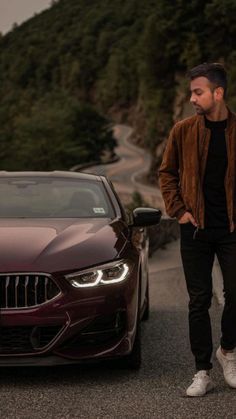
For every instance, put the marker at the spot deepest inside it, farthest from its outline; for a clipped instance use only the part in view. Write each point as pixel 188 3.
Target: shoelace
pixel 197 379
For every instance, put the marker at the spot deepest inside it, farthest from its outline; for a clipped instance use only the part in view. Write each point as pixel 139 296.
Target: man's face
pixel 203 96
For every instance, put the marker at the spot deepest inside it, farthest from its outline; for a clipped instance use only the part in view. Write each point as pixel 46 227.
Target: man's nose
pixel 192 98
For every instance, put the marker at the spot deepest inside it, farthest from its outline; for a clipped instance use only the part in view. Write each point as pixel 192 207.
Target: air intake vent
pixel 26 290
pixel 26 339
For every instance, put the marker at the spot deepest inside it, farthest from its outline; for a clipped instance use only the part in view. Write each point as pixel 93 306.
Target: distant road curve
pixel 133 162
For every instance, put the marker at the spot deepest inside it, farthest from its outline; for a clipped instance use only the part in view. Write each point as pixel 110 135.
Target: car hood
pixel 59 245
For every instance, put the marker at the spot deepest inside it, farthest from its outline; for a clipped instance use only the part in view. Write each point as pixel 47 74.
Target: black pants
pixel 198 251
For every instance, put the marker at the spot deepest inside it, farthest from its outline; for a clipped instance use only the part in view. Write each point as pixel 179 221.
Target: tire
pixel 146 313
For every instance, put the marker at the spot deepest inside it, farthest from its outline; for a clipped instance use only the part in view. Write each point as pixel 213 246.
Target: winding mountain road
pixel 133 163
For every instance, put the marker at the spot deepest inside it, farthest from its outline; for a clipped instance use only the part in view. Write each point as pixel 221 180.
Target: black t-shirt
pixel 213 183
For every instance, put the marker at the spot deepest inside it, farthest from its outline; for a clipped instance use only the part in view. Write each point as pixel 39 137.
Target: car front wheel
pixel 146 312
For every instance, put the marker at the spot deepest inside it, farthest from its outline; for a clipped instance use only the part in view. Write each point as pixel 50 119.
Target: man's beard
pixel 200 110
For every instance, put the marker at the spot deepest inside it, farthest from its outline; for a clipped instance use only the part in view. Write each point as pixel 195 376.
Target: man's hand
pixel 187 218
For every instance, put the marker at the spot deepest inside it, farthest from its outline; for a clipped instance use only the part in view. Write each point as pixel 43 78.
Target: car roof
pixel 53 174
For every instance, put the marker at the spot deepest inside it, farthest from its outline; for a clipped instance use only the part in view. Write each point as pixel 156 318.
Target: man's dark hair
pixel 214 72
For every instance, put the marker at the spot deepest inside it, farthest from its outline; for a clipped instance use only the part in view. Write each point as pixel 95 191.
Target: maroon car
pixel 73 270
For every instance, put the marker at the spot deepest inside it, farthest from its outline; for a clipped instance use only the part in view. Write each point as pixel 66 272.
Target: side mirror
pixel 146 217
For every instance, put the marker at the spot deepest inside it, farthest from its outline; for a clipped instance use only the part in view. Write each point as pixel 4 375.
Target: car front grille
pixel 26 339
pixel 20 290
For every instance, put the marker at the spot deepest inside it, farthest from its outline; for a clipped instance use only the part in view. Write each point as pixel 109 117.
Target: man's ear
pixel 219 93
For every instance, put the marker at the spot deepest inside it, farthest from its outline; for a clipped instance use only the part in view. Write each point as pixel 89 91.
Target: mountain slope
pixel 120 57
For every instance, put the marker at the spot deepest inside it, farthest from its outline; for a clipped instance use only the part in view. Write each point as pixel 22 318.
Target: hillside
pixel 80 61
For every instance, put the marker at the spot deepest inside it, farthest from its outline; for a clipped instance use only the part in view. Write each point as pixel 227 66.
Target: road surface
pixel 124 174
pixel 106 392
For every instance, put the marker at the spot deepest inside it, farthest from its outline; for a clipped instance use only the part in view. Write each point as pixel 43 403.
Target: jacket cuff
pixel 180 213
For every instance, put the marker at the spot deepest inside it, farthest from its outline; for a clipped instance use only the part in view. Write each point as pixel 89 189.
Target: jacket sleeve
pixel 169 179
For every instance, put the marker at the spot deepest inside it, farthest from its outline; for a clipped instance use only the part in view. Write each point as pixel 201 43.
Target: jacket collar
pixel 230 120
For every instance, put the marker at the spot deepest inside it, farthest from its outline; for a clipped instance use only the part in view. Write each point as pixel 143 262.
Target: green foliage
pixel 56 132
pixel 232 80
pixel 137 201
pixel 108 55
pixel 191 54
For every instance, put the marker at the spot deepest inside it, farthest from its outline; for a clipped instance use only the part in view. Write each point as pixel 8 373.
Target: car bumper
pixel 80 325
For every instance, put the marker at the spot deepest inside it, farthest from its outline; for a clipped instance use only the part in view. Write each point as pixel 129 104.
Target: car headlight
pixel 109 273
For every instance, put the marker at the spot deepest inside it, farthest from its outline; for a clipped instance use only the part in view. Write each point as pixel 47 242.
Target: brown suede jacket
pixel 183 166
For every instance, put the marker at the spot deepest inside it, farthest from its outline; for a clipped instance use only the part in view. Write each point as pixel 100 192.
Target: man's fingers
pixel 187 217
pixel 192 220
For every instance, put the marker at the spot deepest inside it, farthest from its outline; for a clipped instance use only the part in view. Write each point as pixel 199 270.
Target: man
pixel 197 180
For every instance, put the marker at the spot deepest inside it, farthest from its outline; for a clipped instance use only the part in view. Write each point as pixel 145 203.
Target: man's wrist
pixel 180 213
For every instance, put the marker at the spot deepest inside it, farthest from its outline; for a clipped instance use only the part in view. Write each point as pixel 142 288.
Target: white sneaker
pixel 201 384
pixel 228 363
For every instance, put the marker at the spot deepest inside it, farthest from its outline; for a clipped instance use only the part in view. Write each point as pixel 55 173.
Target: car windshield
pixel 44 197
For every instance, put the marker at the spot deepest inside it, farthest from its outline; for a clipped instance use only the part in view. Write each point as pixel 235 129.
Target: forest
pixel 66 74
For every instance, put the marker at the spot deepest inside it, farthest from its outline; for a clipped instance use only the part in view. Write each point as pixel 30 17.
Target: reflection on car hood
pixel 56 245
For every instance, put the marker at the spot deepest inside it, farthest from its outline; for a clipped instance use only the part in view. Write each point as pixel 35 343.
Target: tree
pixel 58 133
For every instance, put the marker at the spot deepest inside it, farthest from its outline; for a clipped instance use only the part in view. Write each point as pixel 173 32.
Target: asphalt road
pixel 126 173
pixel 105 391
